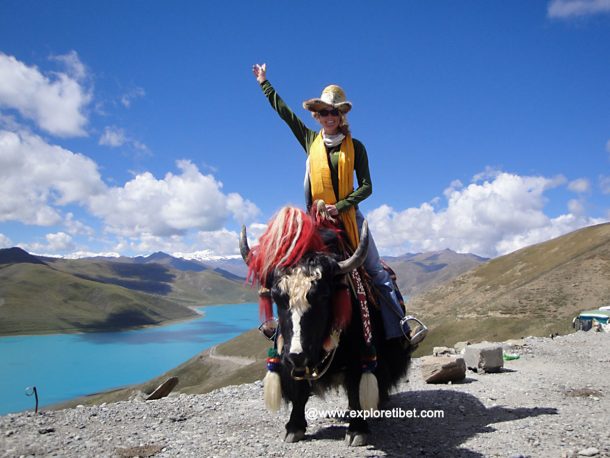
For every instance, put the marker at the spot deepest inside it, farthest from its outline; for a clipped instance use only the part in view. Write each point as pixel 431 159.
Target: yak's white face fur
pixel 296 284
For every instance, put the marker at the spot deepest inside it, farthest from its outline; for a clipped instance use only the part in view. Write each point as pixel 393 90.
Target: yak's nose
pixel 298 360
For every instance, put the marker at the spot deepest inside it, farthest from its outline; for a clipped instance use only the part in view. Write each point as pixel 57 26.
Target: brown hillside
pixel 419 272
pixel 534 291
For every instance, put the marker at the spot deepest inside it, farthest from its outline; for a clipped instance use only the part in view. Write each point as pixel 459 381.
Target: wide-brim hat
pixel 332 97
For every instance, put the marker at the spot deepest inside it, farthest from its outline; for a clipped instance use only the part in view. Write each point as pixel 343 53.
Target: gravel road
pixel 554 401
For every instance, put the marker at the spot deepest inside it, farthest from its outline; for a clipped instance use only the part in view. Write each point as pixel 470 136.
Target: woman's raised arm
pixel 260 72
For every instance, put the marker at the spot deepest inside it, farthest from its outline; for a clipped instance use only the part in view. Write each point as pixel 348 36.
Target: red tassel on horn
pixel 342 308
pixel 265 305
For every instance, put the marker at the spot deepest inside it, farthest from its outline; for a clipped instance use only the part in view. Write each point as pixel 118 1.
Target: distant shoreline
pixel 182 339
pixel 194 308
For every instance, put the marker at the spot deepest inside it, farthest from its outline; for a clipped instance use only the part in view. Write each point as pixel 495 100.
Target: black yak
pixel 327 335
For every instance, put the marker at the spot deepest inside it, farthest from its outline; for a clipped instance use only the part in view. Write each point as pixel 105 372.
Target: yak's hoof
pixel 294 437
pixel 356 439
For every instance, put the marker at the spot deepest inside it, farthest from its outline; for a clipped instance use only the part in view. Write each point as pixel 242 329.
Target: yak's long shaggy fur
pixel 290 234
pixel 303 277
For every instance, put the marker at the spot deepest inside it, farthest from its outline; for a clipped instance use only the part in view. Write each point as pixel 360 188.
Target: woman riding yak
pixel 333 157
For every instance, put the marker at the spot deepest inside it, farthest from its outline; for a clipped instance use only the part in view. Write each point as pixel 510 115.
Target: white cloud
pixel 555 228
pixel 580 185
pixel 173 205
pixel 455 185
pixel 576 207
pixel 255 230
pixel 73 65
pixel 113 137
pixel 5 242
pixel 75 227
pixel 58 242
pixel 139 146
pixel 35 177
pixel 55 102
pixel 488 174
pixel 242 210
pixel 488 218
pixel 221 243
pixel 129 97
pixel 91 254
pixel 146 243
pixel 573 8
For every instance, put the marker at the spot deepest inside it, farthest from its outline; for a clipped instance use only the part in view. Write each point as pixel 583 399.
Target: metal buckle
pixel 422 330
pixel 269 329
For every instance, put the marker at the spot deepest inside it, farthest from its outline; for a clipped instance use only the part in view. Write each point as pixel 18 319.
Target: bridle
pixel 318 371
pixel 312 374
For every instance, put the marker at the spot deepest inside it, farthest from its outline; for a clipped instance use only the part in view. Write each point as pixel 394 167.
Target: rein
pixel 315 374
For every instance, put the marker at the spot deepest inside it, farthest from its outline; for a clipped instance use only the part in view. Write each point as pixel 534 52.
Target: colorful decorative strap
pixel 364 309
pixel 273 360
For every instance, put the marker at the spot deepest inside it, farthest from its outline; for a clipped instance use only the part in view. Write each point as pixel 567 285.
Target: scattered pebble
pixel 525 412
pixel 591 451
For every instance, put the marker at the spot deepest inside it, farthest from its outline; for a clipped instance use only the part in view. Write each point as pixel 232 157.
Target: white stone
pixel 484 357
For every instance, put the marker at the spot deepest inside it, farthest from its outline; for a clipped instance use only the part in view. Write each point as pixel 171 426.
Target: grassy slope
pixel 426 270
pixel 38 299
pixel 184 287
pixel 533 291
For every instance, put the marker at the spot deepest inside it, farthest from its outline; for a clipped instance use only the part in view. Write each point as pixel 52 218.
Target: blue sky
pixel 129 127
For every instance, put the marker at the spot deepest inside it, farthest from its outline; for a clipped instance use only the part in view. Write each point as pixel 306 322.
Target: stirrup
pixel 421 329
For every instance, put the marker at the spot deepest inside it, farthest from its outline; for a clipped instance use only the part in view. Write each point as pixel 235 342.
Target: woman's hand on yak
pixel 260 72
pixel 332 210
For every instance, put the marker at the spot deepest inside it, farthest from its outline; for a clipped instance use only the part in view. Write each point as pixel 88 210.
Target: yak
pixel 328 335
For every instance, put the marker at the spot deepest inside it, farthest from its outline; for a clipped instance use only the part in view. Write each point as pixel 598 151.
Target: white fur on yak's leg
pixel 368 391
pixel 272 391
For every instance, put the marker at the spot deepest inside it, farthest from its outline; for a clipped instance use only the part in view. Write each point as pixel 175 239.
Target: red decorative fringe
pixel 342 308
pixel 265 307
pixel 289 236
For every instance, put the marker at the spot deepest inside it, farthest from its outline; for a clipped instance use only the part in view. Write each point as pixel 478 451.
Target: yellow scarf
pixel 322 184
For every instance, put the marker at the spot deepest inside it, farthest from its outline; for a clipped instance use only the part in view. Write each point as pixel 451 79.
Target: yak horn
pixel 244 249
pixel 356 259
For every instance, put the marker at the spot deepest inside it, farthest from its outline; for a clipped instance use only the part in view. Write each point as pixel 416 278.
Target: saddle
pixel 332 236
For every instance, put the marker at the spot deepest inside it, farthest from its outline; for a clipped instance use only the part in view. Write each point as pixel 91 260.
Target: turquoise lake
pixel 66 366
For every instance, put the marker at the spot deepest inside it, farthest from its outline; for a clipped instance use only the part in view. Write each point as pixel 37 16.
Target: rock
pixel 511 343
pixel 591 451
pixel 442 369
pixel 438 351
pixel 164 389
pixel 485 357
pixel 460 346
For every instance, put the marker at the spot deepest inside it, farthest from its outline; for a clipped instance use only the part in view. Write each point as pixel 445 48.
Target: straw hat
pixel 332 97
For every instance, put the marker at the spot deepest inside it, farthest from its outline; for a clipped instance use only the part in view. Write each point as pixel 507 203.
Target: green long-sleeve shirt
pixel 306 136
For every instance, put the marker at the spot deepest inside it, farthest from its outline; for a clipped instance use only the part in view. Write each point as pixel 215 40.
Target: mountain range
pixel 533 291
pixel 42 294
pixel 417 272
pixel 45 294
